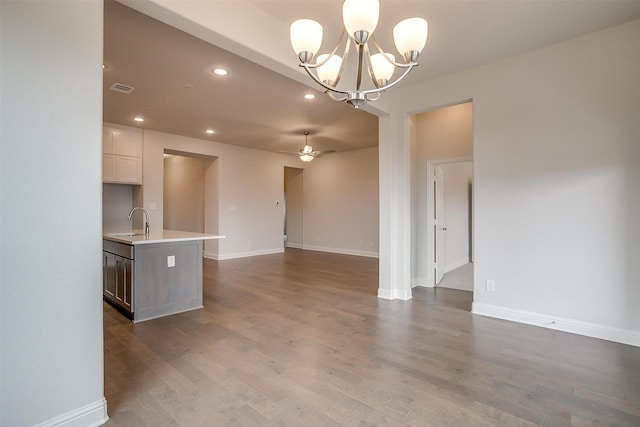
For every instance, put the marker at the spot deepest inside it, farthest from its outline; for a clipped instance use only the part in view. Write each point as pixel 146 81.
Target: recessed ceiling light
pixel 209 131
pixel 309 96
pixel 220 71
pixel 138 119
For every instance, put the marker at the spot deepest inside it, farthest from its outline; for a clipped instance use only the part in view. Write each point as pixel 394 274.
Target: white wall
pixel 457 177
pixel 557 166
pixel 341 203
pixel 51 358
pixel 294 188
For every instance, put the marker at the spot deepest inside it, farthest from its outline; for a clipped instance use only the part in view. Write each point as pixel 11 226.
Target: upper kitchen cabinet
pixel 121 155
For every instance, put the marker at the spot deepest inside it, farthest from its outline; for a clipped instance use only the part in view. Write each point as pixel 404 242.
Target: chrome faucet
pixel 146 218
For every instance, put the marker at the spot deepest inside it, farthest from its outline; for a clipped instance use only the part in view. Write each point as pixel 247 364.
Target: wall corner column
pixel 395 208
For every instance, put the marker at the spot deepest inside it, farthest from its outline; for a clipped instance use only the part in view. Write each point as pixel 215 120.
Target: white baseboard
pixel 341 251
pixel 394 294
pixel 294 245
pixel 234 255
pixel 594 330
pixel 421 281
pixel 91 415
pixel 210 255
pixel 454 265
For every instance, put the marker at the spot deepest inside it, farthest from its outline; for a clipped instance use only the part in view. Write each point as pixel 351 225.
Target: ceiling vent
pixel 122 88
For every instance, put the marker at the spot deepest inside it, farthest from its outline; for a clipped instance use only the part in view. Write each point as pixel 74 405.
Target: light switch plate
pixel 171 261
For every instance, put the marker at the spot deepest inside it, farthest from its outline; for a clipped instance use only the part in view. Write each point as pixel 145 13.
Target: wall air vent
pixel 122 88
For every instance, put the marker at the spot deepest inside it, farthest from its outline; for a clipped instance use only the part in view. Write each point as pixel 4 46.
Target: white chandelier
pixel 360 20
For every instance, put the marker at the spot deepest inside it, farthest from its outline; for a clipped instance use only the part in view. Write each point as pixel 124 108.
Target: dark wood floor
pixel 300 339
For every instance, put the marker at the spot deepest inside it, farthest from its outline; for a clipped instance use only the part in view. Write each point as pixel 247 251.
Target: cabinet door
pixel 128 284
pixel 108 135
pixel 128 169
pixel 120 280
pixel 108 168
pixel 124 276
pixel 109 275
pixel 127 143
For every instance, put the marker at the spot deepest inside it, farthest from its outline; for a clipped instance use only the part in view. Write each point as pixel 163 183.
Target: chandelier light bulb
pixel 328 72
pixel 410 35
pixel 360 15
pixel 306 36
pixel 382 68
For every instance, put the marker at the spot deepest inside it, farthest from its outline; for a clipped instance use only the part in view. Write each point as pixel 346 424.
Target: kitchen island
pixel 146 276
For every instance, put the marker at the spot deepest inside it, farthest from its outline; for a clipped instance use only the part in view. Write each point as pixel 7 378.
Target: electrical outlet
pixel 171 261
pixel 491 285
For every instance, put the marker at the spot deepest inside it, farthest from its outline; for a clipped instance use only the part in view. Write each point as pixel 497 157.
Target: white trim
pixel 341 251
pixel 395 293
pixel 594 330
pixel 455 265
pixel 91 415
pixel 422 282
pixel 294 245
pixel 249 254
pixel 210 255
pixel 157 316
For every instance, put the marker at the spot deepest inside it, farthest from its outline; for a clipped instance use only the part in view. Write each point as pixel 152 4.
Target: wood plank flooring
pixel 300 339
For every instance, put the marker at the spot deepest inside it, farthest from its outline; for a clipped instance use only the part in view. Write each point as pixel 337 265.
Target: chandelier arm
pixel 397 64
pixel 361 49
pixel 372 99
pixel 335 49
pixel 320 82
pixel 372 73
pixel 392 84
pixel 335 98
pixel 345 53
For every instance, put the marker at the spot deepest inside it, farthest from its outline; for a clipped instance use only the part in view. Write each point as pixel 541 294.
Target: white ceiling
pixel 259 108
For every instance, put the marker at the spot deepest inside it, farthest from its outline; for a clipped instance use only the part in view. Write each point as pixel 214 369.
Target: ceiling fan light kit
pixel 360 18
pixel 307 153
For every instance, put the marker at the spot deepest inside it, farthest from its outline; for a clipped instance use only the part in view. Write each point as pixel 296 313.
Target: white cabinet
pixel 121 155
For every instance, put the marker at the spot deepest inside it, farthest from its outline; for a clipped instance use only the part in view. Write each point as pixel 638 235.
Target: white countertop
pixel 137 237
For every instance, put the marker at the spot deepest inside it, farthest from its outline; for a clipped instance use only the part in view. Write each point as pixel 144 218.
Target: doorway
pixel 452 223
pixel 183 193
pixel 190 195
pixel 293 205
pixel 439 138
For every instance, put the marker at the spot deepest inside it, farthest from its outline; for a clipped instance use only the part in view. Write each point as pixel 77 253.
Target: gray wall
pixel 183 197
pixel 51 360
pixel 340 198
pixel 557 172
pixel 294 189
pixel 117 201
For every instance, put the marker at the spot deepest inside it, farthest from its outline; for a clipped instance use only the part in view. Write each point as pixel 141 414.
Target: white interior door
pixel 439 228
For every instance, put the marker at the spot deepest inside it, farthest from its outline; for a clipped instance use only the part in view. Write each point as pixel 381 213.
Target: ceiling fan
pixel 307 153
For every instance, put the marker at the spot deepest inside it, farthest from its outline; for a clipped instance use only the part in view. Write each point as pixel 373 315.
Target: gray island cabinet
pixel 149 276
